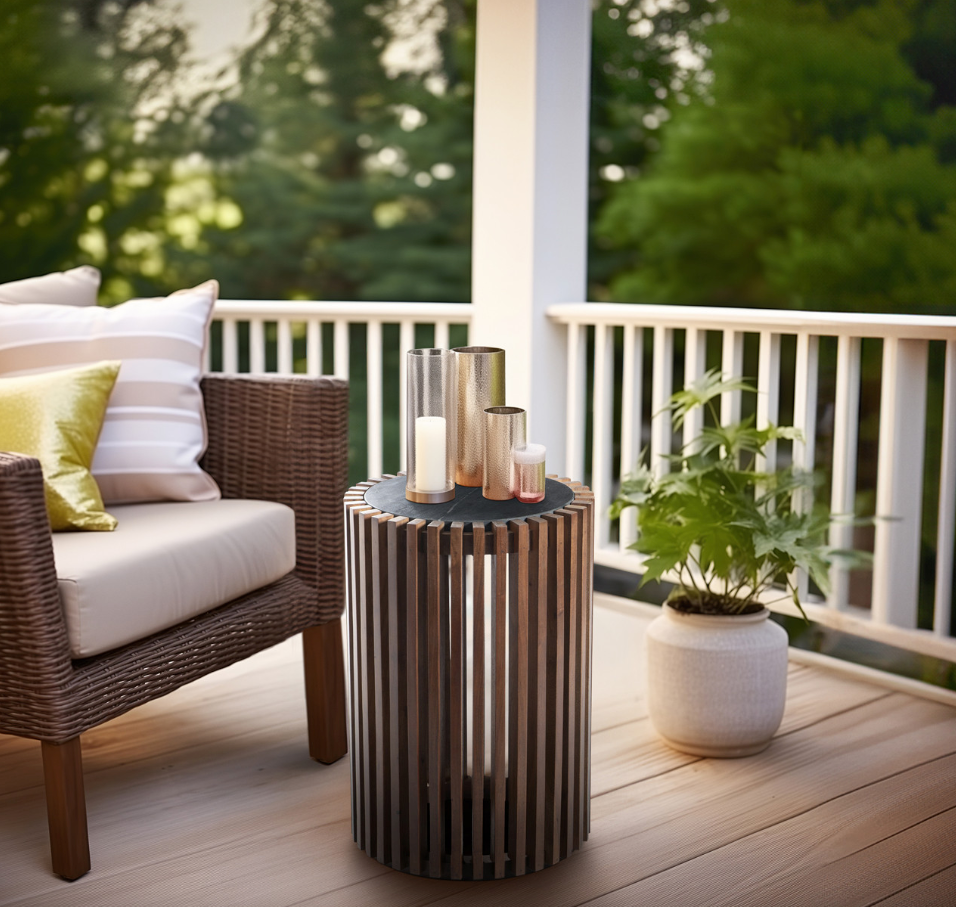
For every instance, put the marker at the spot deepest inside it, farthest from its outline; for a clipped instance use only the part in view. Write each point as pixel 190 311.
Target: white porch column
pixel 529 247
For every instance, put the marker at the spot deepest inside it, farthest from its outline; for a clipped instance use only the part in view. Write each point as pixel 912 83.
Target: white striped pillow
pixel 77 286
pixel 155 429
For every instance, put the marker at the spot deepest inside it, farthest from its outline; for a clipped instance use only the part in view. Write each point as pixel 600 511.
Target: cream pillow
pixel 78 286
pixel 155 429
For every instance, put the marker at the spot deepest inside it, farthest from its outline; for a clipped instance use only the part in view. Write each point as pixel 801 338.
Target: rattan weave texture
pixel 281 439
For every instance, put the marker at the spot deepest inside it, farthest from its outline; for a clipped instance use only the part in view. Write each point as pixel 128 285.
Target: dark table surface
pixel 467 506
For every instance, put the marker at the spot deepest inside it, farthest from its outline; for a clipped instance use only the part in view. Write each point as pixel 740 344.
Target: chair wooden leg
pixel 325 691
pixel 66 808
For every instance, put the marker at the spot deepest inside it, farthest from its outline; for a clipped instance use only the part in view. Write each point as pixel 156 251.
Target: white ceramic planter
pixel 716 685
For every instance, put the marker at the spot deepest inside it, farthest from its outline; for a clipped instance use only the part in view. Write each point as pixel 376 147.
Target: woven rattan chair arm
pixel 285 439
pixel 34 647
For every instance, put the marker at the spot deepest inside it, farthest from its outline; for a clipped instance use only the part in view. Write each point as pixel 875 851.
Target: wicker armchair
pixel 279 439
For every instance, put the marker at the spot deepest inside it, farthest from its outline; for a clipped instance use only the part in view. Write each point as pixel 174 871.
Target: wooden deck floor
pixel 207 797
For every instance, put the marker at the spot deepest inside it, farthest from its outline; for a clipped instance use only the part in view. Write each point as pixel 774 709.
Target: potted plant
pixel 731 534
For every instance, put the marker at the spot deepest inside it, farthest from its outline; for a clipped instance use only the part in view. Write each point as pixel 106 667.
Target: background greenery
pixel 795 153
pixel 786 153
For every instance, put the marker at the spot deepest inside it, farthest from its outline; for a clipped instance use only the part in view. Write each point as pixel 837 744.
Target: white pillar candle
pixel 430 458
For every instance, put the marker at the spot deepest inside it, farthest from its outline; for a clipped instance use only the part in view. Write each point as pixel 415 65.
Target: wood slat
pixel 556 658
pixel 538 696
pixel 414 531
pixel 499 680
pixel 398 685
pixel 571 779
pixel 456 699
pixel 378 619
pixel 366 701
pixel 434 707
pixel 478 702
pixel 519 694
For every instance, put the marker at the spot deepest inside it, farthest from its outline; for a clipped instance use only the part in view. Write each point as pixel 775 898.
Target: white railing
pixel 808 372
pixel 624 361
pixel 279 327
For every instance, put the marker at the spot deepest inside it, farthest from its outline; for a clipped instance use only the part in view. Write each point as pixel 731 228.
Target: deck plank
pixel 936 891
pixel 835 853
pixel 629 752
pixel 208 797
pixel 649 827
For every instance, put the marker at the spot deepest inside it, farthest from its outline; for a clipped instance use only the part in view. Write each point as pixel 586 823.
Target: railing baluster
pixel 230 345
pixel 905 390
pixel 257 346
pixel 732 365
pixel 846 420
pixel 284 352
pixel 313 348
pixel 695 363
pixel 574 458
pixel 406 342
pixel 805 421
pixel 661 390
pixel 373 397
pixel 341 351
pixel 768 393
pixel 602 440
pixel 942 606
pixel 899 482
pixel 631 419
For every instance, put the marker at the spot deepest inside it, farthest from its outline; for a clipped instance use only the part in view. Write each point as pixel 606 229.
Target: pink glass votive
pixel 529 473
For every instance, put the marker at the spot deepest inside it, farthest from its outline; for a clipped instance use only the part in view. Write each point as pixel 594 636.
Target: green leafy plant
pixel 731 532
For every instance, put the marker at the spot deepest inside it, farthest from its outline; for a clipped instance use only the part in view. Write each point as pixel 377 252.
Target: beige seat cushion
pixel 167 562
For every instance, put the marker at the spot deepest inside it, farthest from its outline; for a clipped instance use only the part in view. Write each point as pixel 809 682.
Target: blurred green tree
pixel 816 172
pixel 352 177
pixel 89 129
pixel 646 61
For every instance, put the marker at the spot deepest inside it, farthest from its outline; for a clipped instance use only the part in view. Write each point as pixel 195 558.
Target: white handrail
pixel 827 324
pixel 305 319
pixel 760 337
pixel 328 310
pixel 622 424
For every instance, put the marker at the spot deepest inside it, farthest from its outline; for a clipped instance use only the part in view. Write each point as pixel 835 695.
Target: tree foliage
pixel 352 181
pixel 787 153
pixel 88 134
pixel 817 172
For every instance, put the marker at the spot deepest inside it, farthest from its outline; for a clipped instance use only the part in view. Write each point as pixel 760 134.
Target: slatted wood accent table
pixel 444 693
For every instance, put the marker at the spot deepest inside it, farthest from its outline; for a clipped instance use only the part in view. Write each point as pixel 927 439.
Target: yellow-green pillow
pixel 56 417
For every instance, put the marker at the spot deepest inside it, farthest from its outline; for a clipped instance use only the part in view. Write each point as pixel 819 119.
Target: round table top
pixel 468 505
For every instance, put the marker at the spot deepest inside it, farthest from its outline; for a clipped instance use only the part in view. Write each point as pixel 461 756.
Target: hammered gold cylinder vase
pixel 505 429
pixel 481 383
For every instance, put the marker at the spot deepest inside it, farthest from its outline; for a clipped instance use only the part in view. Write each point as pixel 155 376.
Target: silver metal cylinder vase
pixel 505 429
pixel 481 383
